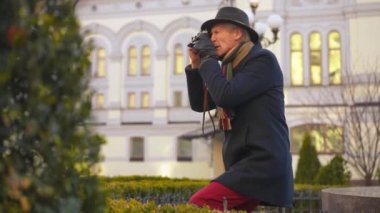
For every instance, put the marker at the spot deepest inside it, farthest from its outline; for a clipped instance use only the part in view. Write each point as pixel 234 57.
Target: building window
pixel 131 100
pixel 132 61
pixel 326 138
pixel 184 150
pixel 145 60
pixel 315 55
pixel 296 60
pixel 335 54
pixel 144 100
pixel 177 100
pixel 137 149
pixel 100 63
pixel 99 101
pixel 178 60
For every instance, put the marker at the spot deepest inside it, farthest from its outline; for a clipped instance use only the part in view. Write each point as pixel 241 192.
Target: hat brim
pixel 210 23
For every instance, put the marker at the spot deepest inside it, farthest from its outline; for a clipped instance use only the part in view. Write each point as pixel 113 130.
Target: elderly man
pixel 247 90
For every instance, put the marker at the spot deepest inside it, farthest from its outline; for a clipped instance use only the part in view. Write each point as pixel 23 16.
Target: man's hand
pixel 194 57
pixel 204 46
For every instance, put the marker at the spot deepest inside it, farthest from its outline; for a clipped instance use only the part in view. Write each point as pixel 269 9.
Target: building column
pixel 114 90
pixel 160 89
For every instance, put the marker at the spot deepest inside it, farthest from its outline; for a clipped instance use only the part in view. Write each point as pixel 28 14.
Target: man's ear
pixel 238 33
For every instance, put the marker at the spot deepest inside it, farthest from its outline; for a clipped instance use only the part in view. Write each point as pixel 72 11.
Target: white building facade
pixel 141 104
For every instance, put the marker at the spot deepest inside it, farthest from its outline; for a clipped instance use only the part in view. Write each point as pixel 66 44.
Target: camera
pixel 194 39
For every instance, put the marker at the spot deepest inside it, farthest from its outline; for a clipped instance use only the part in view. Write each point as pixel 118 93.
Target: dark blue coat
pixel 256 152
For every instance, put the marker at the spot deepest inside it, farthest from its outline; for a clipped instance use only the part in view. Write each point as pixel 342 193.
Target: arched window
pixel 132 61
pixel 335 61
pixel 178 60
pixel 136 149
pixel 100 62
pixel 315 54
pixel 296 60
pixel 326 138
pixel 145 60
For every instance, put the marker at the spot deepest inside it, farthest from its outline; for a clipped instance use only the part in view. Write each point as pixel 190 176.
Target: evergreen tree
pixel 334 173
pixel 308 162
pixel 47 152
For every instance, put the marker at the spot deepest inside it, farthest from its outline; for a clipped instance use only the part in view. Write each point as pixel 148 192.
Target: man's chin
pixel 220 56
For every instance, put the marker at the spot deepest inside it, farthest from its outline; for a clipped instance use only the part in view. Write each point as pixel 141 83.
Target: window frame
pixel 339 49
pixel 302 55
pixel 309 128
pixel 132 142
pixel 187 157
pixel 318 51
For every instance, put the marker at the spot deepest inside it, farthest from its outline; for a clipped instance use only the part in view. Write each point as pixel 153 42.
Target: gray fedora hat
pixel 231 15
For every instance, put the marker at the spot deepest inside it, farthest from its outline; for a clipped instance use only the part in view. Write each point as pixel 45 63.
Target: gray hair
pixel 245 37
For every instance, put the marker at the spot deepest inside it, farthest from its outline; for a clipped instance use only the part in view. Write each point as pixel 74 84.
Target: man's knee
pixel 197 199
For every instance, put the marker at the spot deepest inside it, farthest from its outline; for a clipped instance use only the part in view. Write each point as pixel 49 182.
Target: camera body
pixel 194 39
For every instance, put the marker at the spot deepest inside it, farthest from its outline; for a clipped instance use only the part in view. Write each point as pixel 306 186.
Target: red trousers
pixel 215 196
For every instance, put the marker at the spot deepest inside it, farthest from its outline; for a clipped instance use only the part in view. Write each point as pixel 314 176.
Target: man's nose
pixel 213 39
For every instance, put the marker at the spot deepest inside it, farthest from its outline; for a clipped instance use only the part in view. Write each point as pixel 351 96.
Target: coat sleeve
pixel 195 88
pixel 256 75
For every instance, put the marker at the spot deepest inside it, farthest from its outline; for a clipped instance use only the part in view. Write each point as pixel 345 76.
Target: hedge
pixel 140 194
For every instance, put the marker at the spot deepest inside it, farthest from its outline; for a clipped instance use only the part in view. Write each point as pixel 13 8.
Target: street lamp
pixel 274 21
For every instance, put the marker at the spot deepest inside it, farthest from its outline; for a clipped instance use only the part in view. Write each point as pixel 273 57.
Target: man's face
pixel 224 38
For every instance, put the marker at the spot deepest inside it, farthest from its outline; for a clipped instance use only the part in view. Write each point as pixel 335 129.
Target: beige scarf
pixel 229 63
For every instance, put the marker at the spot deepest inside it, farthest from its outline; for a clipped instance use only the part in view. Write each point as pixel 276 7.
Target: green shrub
pixel 129 198
pixel 133 186
pixel 308 162
pixel 334 173
pixel 47 152
pixel 121 205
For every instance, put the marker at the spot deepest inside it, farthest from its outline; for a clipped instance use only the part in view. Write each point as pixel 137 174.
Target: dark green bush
pixel 140 186
pixel 121 205
pixel 138 193
pixel 308 162
pixel 47 152
pixel 334 173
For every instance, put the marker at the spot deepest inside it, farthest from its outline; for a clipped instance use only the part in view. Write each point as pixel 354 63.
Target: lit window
pixel 315 58
pixel 132 61
pixel 178 60
pixel 99 101
pixel 335 54
pixel 326 138
pixel 145 60
pixel 144 99
pixel 177 99
pixel 184 150
pixel 137 149
pixel 131 100
pixel 296 60
pixel 100 62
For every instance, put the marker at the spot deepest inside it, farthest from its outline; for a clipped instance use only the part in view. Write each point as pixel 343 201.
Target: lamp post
pixel 225 3
pixel 274 22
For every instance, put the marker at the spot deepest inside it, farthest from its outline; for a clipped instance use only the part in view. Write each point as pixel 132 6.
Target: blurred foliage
pixel 122 205
pixel 132 186
pixel 334 173
pixel 308 163
pixel 145 193
pixel 48 153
